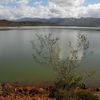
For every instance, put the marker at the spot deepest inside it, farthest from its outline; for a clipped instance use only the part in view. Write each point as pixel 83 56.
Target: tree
pixel 47 50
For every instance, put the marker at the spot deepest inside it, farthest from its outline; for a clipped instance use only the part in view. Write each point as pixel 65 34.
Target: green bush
pixel 33 92
pixel 62 93
pixel 71 94
pixel 85 95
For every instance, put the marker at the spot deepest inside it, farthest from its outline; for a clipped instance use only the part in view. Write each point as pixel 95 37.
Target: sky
pixel 15 9
pixel 91 2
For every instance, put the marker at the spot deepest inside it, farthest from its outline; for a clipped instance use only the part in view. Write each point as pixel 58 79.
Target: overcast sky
pixel 14 9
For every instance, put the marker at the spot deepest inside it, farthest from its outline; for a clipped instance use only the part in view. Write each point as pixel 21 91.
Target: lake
pixel 17 64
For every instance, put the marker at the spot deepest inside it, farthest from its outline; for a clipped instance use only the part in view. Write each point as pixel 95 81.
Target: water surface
pixel 17 64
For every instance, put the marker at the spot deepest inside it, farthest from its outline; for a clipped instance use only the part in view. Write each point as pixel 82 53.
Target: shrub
pixel 33 92
pixel 85 95
pixel 7 89
pixel 47 52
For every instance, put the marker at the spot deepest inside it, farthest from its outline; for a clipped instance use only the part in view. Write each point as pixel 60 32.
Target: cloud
pixel 22 8
pixel 66 9
pixel 13 9
pixel 68 3
pixel 5 2
pixel 92 10
pixel 73 8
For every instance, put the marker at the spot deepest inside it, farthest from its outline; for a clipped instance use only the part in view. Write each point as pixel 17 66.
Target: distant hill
pixel 82 22
pixel 6 23
pixel 32 20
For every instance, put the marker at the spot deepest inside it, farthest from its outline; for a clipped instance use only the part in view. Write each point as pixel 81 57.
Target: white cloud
pixel 73 8
pixel 92 10
pixel 55 8
pixel 4 2
pixel 21 3
pixel 59 10
pixel 67 2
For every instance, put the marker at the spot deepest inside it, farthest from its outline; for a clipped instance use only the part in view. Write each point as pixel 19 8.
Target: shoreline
pixel 34 91
pixel 51 27
pixel 43 85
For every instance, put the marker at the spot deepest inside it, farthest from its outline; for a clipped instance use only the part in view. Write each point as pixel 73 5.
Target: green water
pixel 17 65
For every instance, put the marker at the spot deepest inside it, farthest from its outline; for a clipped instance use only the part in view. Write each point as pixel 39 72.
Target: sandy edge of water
pixel 51 27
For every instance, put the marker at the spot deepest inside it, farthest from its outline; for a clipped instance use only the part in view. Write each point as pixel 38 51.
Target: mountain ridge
pixel 82 22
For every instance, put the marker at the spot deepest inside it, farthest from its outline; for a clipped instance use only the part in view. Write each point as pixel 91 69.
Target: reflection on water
pixel 16 63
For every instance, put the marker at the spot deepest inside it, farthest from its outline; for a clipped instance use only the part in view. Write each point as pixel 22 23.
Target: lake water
pixel 17 64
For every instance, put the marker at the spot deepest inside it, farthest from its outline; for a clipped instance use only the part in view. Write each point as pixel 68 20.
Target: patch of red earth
pixel 25 97
pixel 43 88
pixel 29 87
pixel 40 87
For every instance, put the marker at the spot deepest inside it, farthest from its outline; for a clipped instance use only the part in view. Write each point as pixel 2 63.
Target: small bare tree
pixel 46 51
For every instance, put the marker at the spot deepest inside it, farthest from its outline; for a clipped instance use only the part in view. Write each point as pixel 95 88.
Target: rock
pixel 97 89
